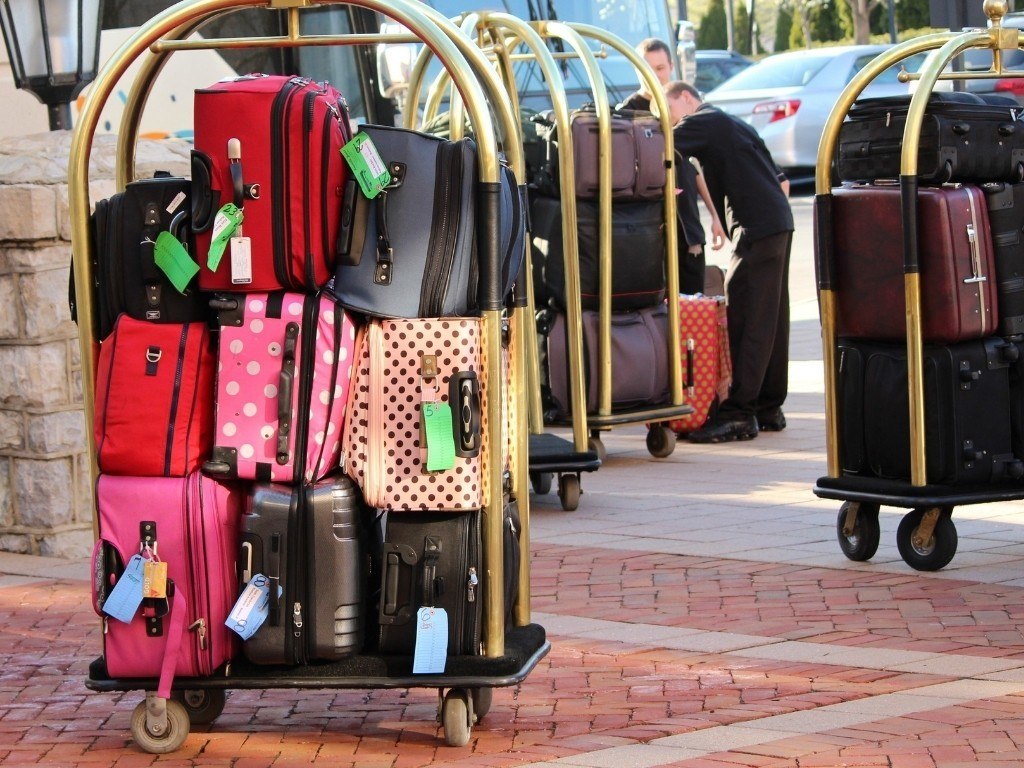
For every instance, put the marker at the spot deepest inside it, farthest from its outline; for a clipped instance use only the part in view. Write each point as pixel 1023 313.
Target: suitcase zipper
pixel 374 473
pixel 339 317
pixel 309 106
pixel 976 274
pixel 195 522
pixel 444 236
pixel 278 178
pixel 175 395
pixel 307 364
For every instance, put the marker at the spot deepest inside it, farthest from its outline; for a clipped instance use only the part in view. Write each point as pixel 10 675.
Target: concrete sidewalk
pixel 701 615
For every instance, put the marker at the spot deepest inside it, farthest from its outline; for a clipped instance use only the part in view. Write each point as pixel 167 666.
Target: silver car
pixel 787 97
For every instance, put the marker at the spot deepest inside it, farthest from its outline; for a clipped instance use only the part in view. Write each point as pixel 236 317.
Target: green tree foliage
pixel 742 28
pixel 844 14
pixel 796 31
pixel 712 32
pixel 825 22
pixel 783 25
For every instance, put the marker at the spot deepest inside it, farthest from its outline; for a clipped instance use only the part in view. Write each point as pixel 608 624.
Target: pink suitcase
pixel 190 523
pixel 285 361
pixel 402 364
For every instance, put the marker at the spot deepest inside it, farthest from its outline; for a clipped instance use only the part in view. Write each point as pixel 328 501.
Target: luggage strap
pixel 178 611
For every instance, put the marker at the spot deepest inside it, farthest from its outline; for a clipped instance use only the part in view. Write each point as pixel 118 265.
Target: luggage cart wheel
pixel 457 717
pixel 541 482
pixel 159 726
pixel 569 491
pixel 482 698
pixel 927 538
pixel 203 705
pixel 661 441
pixel 596 444
pixel 858 530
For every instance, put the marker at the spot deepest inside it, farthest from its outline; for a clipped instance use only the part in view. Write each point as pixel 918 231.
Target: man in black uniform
pixel 689 182
pixel 751 196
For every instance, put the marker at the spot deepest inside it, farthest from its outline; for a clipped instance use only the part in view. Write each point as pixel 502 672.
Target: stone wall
pixel 46 504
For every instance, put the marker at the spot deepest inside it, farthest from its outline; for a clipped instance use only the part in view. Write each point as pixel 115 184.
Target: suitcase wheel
pixel 203 705
pixel 858 530
pixel 927 538
pixel 569 491
pixel 159 726
pixel 541 482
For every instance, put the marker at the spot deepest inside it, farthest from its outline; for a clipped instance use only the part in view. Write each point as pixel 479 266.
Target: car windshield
pixel 778 72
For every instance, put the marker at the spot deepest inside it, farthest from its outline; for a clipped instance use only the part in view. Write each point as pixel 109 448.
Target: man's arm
pixel 717 230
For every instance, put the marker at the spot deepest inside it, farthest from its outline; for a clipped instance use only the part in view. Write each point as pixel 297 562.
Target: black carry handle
pixel 343 247
pixel 385 253
pixel 274 613
pixel 284 393
pixel 464 399
pixel 689 366
pixel 392 609
pixel 432 587
pixel 205 199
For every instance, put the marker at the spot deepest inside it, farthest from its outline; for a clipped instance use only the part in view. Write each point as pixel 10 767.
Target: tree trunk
pixel 861 12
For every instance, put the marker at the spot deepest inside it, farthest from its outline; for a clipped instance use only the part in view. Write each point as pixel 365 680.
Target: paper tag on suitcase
pixel 251 608
pixel 241 260
pixel 154 579
pixel 440 437
pixel 367 165
pixel 228 219
pixel 173 260
pixel 124 600
pixel 431 650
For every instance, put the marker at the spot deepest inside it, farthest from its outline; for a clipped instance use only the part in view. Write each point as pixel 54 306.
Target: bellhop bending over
pixel 750 194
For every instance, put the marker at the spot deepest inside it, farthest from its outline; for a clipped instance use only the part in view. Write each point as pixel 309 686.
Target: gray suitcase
pixel 309 541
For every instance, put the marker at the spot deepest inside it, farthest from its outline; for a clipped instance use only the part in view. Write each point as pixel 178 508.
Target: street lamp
pixel 54 48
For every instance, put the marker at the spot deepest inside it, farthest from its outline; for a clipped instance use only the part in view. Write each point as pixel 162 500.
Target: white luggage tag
pixel 251 608
pixel 431 650
pixel 125 598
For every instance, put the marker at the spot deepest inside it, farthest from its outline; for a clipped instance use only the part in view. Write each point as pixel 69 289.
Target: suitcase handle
pixel 689 367
pixel 396 556
pixel 205 199
pixel 284 393
pixel 464 399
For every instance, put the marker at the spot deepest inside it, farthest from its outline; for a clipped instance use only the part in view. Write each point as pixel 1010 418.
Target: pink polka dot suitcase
pixel 284 366
pixel 401 366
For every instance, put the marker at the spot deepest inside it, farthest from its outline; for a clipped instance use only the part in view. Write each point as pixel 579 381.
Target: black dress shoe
pixel 725 431
pixel 772 420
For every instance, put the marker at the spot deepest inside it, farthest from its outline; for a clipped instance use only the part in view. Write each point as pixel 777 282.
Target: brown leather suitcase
pixel 958 277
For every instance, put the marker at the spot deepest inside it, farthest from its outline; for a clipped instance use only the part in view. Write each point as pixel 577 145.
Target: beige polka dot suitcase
pixel 283 373
pixel 403 366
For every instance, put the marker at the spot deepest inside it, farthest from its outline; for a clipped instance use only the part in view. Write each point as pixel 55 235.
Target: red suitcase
pixel 290 131
pixel 154 398
pixel 707 368
pixel 958 277
pixel 191 524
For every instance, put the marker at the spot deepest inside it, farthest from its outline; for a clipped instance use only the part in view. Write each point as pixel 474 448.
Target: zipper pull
pixel 297 618
pixel 471 586
pixel 199 626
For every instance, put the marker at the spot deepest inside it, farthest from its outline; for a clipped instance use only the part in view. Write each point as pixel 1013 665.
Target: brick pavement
pixel 701 616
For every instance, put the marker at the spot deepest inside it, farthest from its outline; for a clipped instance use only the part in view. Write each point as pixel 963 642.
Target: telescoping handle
pixel 284 393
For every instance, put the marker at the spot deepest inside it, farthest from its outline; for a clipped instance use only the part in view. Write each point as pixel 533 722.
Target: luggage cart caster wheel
pixel 661 441
pixel 861 542
pixel 482 698
pixel 569 491
pixel 456 715
pixel 541 482
pixel 933 553
pixel 596 444
pixel 160 743
pixel 203 705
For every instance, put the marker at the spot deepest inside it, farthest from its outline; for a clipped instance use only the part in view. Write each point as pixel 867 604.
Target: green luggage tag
pixel 228 219
pixel 173 260
pixel 367 165
pixel 437 422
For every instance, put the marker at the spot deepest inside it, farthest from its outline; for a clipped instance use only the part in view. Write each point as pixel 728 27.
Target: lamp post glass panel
pixel 53 46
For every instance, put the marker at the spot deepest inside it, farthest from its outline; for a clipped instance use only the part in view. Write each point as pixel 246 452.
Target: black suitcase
pixel 435 559
pixel 1006 220
pixel 638 252
pixel 125 275
pixel 967 411
pixel 963 138
pixel 309 541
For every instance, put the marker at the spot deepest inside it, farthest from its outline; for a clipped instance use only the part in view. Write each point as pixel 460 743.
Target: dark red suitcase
pixel 958 277
pixel 291 131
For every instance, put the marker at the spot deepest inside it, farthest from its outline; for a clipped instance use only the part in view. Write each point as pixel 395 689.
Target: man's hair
pixel 678 87
pixel 653 44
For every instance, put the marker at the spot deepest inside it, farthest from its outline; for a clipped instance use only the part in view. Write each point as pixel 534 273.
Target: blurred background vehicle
pixel 788 97
pixel 715 66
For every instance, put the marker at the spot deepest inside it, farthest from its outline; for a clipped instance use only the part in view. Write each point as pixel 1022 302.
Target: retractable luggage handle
pixel 385 253
pixel 284 393
pixel 464 399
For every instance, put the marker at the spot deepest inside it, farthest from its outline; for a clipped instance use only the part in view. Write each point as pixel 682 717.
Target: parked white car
pixel 788 97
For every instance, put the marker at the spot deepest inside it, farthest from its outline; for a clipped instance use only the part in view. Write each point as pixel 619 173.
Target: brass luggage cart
pixel 926 536
pixel 510 652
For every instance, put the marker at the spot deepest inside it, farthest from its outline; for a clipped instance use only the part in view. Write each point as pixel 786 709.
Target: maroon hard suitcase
pixel 958 278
